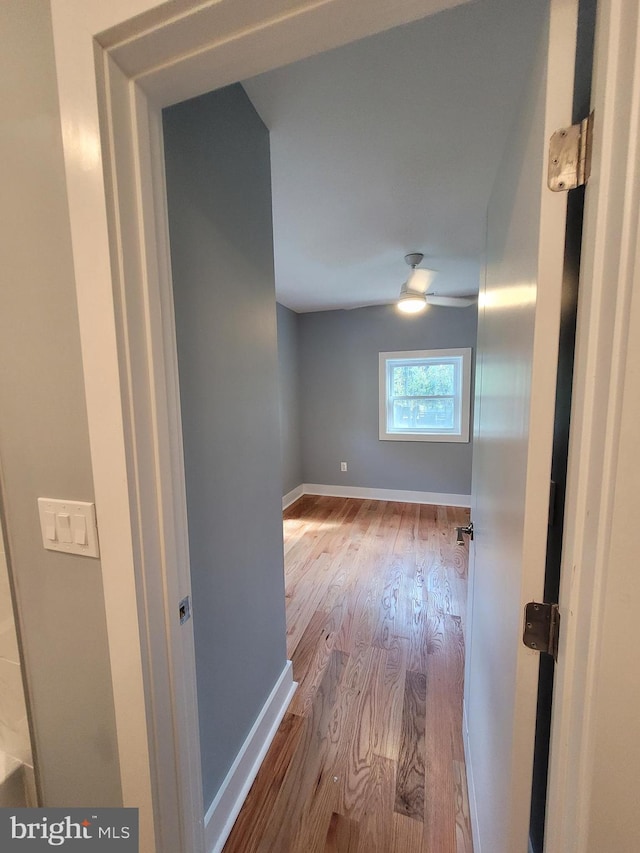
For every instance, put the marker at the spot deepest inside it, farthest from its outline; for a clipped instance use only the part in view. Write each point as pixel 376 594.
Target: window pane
pixel 423 414
pixel 440 379
pixel 399 381
pixel 422 380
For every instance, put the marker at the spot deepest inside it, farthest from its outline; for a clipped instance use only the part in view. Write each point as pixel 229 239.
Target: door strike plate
pixel 184 609
pixel 541 627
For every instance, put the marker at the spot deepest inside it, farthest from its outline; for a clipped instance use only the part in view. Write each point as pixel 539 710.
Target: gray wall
pixel 219 194
pixel 44 447
pixel 289 379
pixel 339 399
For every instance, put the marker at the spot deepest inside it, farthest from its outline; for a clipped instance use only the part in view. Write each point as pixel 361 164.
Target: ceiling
pixel 390 145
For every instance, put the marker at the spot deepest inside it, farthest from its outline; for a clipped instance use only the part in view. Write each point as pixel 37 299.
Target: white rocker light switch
pixel 50 526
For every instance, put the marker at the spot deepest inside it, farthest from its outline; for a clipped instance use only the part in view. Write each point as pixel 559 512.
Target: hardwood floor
pixel 369 756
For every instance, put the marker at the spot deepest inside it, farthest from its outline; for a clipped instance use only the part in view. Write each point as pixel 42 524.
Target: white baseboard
pixel 224 810
pixel 437 498
pixel 292 496
pixel 471 787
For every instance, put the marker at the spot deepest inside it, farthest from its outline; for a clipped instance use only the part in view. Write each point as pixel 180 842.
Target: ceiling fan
pixel 415 294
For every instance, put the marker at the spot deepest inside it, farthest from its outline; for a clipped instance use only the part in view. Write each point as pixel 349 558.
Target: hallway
pixel 369 755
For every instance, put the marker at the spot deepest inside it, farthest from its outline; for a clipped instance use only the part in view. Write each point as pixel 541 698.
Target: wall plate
pixel 69 526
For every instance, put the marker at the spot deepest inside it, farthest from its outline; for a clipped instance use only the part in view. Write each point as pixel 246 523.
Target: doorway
pixel 215 221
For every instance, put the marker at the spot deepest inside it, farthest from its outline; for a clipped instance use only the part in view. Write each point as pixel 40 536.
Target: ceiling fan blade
pixel 369 304
pixel 420 280
pixel 451 301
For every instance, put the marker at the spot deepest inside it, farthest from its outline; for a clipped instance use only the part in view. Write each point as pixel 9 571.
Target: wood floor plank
pixel 428 528
pixel 339 590
pixel 369 758
pixel 405 543
pixel 257 812
pixel 441 735
pixel 464 843
pixel 410 784
pixel 421 633
pixel 345 725
pixel 343 835
pixel 306 765
pixel 390 723
pixel 365 735
pixel 305 650
pixel 303 597
pixel 376 827
pixel 307 597
pixel 388 616
pixel 455 676
pixel 439 589
pixel 358 625
pixel 407 835
pixel 312 655
pixel 315 820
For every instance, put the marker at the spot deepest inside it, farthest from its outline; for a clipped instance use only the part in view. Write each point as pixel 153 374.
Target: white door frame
pixel 114 73
pixel 610 268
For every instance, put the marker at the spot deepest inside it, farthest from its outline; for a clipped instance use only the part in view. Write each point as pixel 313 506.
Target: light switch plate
pixel 69 526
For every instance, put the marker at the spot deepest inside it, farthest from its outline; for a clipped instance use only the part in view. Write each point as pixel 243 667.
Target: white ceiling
pixel 391 145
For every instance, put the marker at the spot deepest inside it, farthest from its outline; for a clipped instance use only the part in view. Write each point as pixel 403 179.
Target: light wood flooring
pixel 369 756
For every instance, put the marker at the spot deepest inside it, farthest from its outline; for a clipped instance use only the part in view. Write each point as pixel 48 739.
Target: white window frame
pixel 462 401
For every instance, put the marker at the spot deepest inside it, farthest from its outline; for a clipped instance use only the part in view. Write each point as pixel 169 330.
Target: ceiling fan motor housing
pixel 414 258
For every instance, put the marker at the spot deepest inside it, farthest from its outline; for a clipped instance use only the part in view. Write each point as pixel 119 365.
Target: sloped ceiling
pixel 391 145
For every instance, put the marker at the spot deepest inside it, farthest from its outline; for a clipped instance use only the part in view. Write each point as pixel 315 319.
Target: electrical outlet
pixel 343 466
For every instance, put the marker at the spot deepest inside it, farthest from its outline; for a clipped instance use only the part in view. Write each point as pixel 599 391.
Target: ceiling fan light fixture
pixel 411 301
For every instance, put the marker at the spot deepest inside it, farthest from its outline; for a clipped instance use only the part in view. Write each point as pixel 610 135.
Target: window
pixel 425 395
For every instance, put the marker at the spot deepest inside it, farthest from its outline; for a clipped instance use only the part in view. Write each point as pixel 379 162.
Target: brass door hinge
pixel 570 156
pixel 542 627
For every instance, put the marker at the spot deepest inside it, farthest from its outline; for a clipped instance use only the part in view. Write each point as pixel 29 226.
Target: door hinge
pixel 570 156
pixel 542 627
